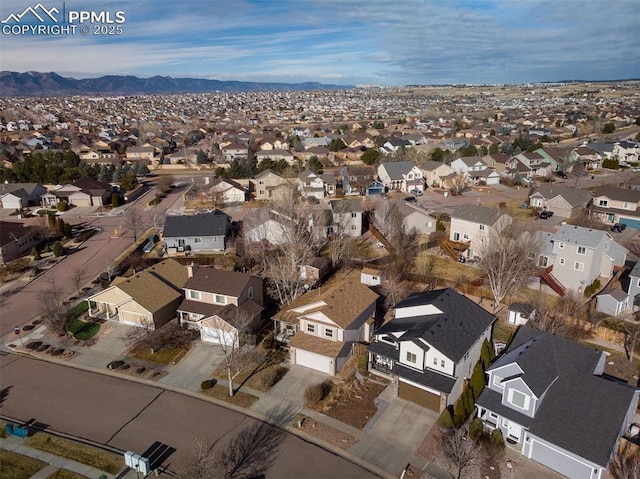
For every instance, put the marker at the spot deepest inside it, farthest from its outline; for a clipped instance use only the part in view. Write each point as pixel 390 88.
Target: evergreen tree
pixel 35 253
pixel 477 380
pixel 445 421
pixel 58 249
pixel 459 413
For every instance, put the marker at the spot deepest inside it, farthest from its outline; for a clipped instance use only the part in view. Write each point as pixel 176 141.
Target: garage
pixel 419 396
pixel 631 223
pixel 313 361
pixel 559 461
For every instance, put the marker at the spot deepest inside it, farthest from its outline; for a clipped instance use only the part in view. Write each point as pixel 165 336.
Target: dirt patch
pixel 263 369
pixel 325 433
pixel 351 401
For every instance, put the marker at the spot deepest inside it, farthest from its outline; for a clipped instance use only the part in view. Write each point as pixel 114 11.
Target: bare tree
pixel 456 183
pixel 508 258
pixel 164 183
pixel 55 313
pixel 135 222
pixel 78 276
pixel 157 219
pixel 229 333
pixel 460 452
pixel 394 288
pixel 199 461
pixel 110 268
pixel 626 463
pixel 387 219
pixel 146 335
pixel 425 265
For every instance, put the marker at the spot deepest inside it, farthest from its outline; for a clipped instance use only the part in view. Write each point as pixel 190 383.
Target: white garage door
pixel 314 361
pixel 559 461
pixel 216 336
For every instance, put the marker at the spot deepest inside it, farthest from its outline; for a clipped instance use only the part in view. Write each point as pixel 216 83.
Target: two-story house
pixel 431 345
pixel 234 151
pixel 137 154
pixel 434 173
pixel 218 300
pixel 622 297
pixel 617 205
pixel 469 223
pixel 626 151
pixel 347 217
pixel 578 256
pixel 551 401
pixel 322 325
pixel 266 183
pixel 529 165
pixel 275 155
pixel 312 184
pixel 563 201
pixel 475 170
pixel 401 175
pixel 190 234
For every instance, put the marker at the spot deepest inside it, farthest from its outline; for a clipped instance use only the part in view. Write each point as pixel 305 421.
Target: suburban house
pixel 234 151
pixel 221 304
pixel 144 154
pixel 563 201
pixel 312 184
pixel 85 192
pixel 532 397
pixel 529 165
pixel 416 220
pixel 17 239
pixel 321 326
pixel 431 346
pixel 497 161
pixel 147 299
pixel 275 155
pixel 16 196
pixel 347 217
pixel 267 227
pixel 265 183
pixel 617 205
pixel 356 179
pixel 434 173
pixel 401 175
pixel 578 256
pixel 469 223
pixel 589 157
pixel 227 191
pixel 195 233
pixel 622 297
pixel 475 170
pixel 626 151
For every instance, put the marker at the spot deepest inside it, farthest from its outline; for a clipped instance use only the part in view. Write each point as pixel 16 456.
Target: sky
pixel 345 42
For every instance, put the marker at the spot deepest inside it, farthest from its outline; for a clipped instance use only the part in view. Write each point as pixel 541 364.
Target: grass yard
pixel 91 456
pixel 83 331
pixel 513 208
pixel 17 466
pixel 239 399
pixel 502 331
pixel 452 270
pixel 262 371
pixel 161 356
pixel 65 474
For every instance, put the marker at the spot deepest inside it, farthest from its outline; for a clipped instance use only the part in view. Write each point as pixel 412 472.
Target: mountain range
pixel 14 84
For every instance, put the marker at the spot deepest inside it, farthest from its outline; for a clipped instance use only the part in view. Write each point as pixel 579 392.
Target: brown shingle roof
pixel 316 345
pixel 220 281
pixel 149 291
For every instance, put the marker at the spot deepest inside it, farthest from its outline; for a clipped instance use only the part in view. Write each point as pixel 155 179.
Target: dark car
pixel 618 227
pixel 546 215
pixel 115 364
pixel 561 174
pixel 410 199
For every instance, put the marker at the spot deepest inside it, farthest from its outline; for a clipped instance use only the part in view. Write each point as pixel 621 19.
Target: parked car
pixel 115 364
pixel 561 174
pixel 618 227
pixel 416 192
pixel 546 215
pixel 411 199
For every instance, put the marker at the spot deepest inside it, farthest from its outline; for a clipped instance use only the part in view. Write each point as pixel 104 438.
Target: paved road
pixel 91 257
pixel 133 416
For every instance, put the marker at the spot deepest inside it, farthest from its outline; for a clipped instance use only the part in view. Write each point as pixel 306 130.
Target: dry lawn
pixel 452 270
pixel 326 433
pixel 91 456
pixel 17 466
pixel 263 369
pixel 239 399
pixel 162 356
pixel 66 474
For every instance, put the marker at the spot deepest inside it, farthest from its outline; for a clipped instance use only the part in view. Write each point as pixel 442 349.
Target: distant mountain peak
pixel 33 83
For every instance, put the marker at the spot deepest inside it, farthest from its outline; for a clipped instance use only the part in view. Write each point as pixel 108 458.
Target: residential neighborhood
pixel 395 276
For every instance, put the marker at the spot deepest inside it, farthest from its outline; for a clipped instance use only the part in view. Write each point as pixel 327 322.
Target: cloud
pixel 405 41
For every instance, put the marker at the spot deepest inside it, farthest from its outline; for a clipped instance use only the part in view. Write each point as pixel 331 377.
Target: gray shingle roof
pixel 572 196
pixel 396 169
pixel 477 214
pixel 215 223
pixel 620 194
pixel 580 412
pixel 580 236
pixel 453 332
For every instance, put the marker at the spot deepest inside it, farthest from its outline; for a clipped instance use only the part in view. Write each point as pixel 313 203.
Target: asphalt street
pixel 132 417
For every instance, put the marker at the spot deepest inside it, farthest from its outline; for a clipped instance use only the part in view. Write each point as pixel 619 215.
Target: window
pixel 442 363
pixel 518 399
pixel 582 250
pixel 311 328
pixel 194 294
pixel 578 266
pixel 603 203
pixel 220 299
pixel 411 357
pixel 626 206
pixel 197 240
pixel 465 236
pixel 561 261
pixel 354 215
pixel 435 361
pixel 481 227
pixel 354 227
pixel 561 245
pixel 456 236
pixel 543 261
pixel 250 292
pixel 328 333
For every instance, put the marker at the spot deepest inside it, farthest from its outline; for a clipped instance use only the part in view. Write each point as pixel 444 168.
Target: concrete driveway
pixel 199 364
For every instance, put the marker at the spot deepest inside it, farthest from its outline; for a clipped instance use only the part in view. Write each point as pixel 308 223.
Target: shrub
pixel 58 249
pixel 497 439
pixel 445 421
pixel 459 412
pixel 477 380
pixel 592 288
pixel 62 206
pixel 35 253
pixel 317 392
pixel 207 384
pixel 476 428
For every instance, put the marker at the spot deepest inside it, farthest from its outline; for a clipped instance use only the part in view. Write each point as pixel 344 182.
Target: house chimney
pixel 191 269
